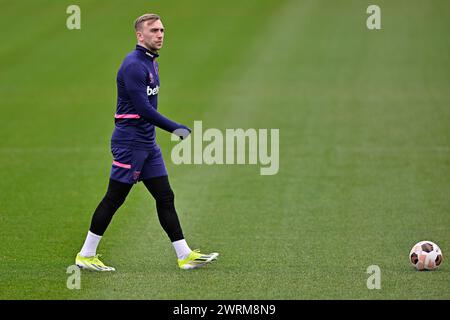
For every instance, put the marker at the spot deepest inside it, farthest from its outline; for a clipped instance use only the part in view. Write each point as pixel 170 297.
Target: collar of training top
pixel 147 52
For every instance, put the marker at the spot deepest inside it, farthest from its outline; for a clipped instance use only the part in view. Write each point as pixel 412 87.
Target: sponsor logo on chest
pixel 152 91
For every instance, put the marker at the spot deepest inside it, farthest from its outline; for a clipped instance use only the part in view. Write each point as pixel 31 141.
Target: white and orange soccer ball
pixel 425 255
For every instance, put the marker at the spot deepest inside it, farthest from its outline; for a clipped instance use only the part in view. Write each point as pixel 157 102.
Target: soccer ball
pixel 425 255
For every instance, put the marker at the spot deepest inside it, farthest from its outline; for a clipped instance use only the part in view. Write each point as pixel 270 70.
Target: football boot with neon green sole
pixel 92 263
pixel 197 260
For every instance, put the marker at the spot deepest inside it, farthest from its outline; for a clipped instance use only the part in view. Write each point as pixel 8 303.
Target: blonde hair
pixel 146 17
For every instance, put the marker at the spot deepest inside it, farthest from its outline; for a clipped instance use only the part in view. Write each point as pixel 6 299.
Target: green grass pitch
pixel 364 119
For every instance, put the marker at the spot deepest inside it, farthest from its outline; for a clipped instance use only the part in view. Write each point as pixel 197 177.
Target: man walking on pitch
pixel 136 155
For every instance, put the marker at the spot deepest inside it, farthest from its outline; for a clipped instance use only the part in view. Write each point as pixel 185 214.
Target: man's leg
pixel 160 189
pixel 125 170
pixel 113 199
pixel 115 196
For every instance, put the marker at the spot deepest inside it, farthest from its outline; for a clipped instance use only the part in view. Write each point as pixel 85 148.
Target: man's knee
pixel 114 200
pixel 117 193
pixel 160 189
pixel 164 196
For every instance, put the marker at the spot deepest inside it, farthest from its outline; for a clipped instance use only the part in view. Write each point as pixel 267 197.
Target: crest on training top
pixel 151 78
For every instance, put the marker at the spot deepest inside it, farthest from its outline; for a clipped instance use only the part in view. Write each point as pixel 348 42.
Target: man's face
pixel 151 35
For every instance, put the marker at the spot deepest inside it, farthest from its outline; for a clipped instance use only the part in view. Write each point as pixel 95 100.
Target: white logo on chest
pixel 152 91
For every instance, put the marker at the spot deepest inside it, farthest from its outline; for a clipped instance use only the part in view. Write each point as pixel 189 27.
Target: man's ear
pixel 138 35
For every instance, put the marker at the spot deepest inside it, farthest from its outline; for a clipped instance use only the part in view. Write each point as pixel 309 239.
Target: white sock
pixel 182 249
pixel 90 245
